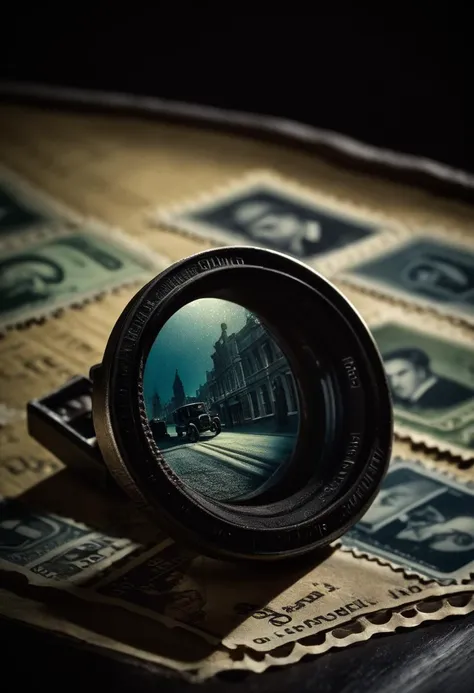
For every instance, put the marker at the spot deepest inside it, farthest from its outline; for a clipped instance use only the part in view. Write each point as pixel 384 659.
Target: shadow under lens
pixel 221 399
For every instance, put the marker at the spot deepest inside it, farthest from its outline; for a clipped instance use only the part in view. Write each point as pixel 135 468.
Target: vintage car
pixel 194 419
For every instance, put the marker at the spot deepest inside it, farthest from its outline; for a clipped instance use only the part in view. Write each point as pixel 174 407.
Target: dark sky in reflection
pixel 186 343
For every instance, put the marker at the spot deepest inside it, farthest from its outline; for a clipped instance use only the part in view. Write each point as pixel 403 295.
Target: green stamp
pixel 16 214
pixel 430 272
pixel 55 272
pixel 432 385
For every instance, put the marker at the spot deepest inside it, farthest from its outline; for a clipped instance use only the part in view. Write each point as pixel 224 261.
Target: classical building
pixel 250 383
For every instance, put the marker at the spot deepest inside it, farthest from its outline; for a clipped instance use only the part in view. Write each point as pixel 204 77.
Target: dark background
pixel 394 79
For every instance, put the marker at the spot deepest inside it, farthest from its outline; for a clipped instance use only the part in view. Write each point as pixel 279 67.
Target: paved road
pixel 227 465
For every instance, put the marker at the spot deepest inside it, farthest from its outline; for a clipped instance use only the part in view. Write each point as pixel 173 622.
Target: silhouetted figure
pixel 281 407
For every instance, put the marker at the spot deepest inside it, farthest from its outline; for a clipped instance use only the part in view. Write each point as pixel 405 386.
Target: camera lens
pixel 243 401
pixel 221 400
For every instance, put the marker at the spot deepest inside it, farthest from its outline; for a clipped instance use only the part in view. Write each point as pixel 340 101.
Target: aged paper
pixel 96 568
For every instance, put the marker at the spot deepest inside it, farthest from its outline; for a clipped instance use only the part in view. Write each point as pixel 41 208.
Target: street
pixel 228 465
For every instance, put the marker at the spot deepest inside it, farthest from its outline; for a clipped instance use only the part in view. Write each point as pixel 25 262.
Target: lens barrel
pixel 345 417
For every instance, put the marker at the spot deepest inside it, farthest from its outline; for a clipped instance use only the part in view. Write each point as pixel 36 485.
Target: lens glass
pixel 221 399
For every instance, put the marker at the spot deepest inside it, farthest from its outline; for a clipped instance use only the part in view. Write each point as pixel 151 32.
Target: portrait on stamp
pixel 270 216
pixel 423 270
pixel 438 531
pixel 397 496
pixel 414 383
pixel 430 526
pixel 432 383
pixel 15 214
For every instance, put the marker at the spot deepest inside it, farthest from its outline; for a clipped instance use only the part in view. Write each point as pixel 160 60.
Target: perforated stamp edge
pixel 387 229
pixel 347 276
pixel 463 577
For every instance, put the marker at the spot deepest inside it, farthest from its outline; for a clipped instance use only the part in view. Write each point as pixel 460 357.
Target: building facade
pixel 250 384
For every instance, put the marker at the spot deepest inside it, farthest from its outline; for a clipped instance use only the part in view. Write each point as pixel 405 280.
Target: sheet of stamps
pixel 264 210
pixel 415 543
pixel 421 519
pixel 430 370
pixel 429 271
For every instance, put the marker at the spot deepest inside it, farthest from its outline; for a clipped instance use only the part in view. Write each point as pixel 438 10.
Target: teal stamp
pixel 26 536
pixel 422 520
pixel 55 272
pixel 432 384
pixel 91 551
pixel 16 214
pixel 426 271
pixel 52 547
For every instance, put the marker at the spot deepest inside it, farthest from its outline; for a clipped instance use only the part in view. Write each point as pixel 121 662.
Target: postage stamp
pixel 263 210
pixel 39 278
pixel 27 536
pixel 421 519
pixel 431 377
pixel 54 548
pixel 16 214
pixel 426 271
pixel 24 208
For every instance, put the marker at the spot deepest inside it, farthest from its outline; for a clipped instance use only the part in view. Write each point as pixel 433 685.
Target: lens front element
pixel 220 398
pixel 243 400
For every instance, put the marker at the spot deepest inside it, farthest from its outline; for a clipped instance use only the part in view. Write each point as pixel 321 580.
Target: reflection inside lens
pixel 220 399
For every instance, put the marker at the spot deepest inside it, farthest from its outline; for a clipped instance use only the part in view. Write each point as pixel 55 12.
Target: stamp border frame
pixel 379 290
pixel 386 228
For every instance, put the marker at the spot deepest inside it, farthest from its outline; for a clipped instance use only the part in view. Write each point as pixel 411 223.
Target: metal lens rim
pixel 179 513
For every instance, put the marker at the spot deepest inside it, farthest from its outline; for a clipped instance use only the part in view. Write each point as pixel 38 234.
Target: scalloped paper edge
pixel 397 620
pixel 27 609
